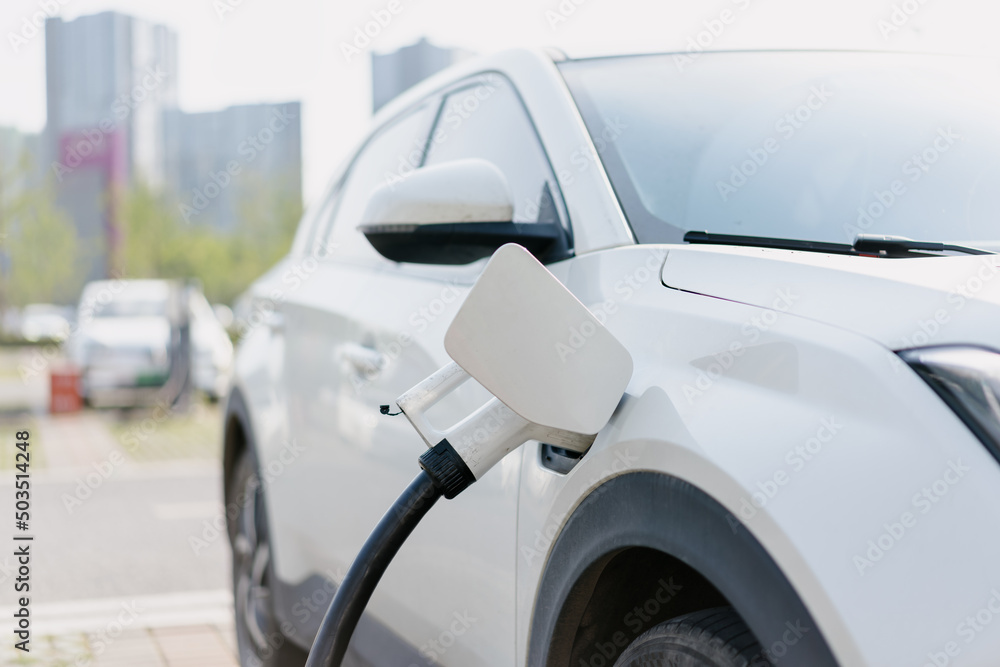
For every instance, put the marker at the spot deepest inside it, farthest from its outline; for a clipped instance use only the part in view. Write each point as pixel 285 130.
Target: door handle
pixel 366 361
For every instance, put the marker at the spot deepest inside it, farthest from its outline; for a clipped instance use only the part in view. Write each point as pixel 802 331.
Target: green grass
pixel 62 651
pixel 151 435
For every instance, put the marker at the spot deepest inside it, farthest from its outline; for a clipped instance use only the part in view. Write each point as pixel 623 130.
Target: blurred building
pixel 113 119
pixel 392 73
pixel 109 78
pixel 217 160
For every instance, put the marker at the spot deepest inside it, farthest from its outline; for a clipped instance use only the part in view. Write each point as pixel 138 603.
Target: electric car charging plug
pixel 563 399
pixel 484 438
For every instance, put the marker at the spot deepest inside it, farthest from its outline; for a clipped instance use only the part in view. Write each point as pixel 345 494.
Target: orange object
pixel 65 391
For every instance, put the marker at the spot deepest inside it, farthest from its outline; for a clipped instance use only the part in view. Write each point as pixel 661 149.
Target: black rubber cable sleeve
pixel 352 596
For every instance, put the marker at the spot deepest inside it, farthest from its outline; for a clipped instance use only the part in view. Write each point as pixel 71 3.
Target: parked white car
pixel 45 322
pixel 124 338
pixel 804 468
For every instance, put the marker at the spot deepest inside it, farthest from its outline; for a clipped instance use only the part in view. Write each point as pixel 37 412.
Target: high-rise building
pixel 392 73
pixel 111 83
pixel 216 159
pixel 109 78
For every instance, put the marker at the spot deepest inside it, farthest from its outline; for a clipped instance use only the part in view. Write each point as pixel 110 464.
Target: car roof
pixel 502 61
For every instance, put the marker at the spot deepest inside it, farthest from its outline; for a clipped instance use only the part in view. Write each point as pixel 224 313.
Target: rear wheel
pixel 259 638
pixel 710 638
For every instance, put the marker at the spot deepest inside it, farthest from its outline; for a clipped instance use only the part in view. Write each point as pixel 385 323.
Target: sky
pixel 245 51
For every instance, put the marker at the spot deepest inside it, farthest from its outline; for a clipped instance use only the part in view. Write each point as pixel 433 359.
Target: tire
pixel 710 638
pixel 259 638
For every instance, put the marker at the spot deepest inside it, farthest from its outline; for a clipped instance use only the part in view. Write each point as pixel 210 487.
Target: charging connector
pixel 563 401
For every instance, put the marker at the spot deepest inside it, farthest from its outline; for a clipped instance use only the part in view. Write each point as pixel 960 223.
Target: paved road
pixel 128 567
pixel 143 531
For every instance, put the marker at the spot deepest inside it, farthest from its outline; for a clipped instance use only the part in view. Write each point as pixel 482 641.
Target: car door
pixel 450 594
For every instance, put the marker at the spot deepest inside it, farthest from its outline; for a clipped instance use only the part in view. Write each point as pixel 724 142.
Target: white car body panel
pixel 815 352
pixel 933 302
pixel 893 424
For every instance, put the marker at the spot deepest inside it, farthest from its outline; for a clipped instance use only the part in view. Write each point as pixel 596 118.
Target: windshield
pixel 131 308
pixel 816 146
pixel 129 299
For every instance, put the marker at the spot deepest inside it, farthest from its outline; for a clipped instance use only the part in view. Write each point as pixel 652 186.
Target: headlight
pixel 968 379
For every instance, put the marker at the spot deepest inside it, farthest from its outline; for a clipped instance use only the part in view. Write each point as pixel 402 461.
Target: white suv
pixel 804 467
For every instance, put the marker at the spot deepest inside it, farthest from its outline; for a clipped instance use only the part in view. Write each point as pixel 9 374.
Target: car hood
pixel 901 303
pixel 130 332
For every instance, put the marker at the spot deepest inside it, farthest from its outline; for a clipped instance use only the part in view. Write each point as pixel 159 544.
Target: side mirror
pixel 452 213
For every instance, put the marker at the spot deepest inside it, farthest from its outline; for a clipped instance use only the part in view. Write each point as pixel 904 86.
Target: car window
pixel 815 146
pixel 321 225
pixel 487 120
pixel 393 152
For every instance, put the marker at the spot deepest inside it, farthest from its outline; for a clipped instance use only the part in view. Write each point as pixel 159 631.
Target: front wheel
pixel 259 638
pixel 710 638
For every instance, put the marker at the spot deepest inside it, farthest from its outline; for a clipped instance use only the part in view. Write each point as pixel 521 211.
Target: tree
pixel 158 243
pixel 38 243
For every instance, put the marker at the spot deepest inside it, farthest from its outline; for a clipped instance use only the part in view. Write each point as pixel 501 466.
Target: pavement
pixel 128 564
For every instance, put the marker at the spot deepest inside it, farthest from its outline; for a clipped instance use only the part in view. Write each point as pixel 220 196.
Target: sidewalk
pixel 192 629
pixel 192 646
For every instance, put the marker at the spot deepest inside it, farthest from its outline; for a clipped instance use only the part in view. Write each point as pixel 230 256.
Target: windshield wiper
pixel 864 244
pixel 902 245
pixel 768 242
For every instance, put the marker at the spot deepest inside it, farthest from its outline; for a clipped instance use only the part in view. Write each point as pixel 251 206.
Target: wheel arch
pixel 237 437
pixel 642 520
